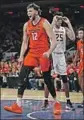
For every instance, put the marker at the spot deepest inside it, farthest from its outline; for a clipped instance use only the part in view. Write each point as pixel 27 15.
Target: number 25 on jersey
pixel 59 37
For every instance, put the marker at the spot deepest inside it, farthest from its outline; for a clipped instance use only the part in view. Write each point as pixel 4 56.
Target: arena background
pixel 12 18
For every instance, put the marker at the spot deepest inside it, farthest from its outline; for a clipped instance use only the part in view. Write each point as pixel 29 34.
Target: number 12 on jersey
pixel 34 36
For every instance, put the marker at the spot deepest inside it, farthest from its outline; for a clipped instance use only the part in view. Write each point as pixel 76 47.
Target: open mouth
pixel 30 16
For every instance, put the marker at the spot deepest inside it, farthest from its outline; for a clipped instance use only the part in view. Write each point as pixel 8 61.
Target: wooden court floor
pixel 33 99
pixel 11 94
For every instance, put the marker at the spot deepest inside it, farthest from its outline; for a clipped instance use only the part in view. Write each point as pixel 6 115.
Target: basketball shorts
pixel 59 63
pixel 35 61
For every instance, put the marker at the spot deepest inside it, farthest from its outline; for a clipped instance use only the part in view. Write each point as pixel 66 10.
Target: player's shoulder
pixel 43 19
pixel 46 22
pixel 27 23
pixel 25 26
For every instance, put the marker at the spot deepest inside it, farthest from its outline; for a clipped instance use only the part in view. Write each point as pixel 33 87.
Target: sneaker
pixel 45 104
pixel 69 106
pixel 13 108
pixel 57 108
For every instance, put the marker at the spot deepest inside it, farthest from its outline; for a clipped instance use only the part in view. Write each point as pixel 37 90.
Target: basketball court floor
pixel 32 102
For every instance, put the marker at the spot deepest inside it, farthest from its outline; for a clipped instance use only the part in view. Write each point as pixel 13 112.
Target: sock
pixel 45 102
pixel 19 101
pixel 68 99
pixel 46 99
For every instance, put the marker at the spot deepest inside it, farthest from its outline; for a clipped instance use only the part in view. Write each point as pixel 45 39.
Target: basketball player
pixel 80 55
pixel 58 56
pixel 37 31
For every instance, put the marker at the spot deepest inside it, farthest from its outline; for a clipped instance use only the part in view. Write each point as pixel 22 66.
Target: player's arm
pixel 24 45
pixel 77 54
pixel 69 30
pixel 51 35
pixel 53 21
pixel 76 57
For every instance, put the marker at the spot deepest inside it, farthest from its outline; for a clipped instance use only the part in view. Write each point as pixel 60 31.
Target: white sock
pixel 67 98
pixel 19 101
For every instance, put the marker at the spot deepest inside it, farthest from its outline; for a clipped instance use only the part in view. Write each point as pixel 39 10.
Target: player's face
pixel 59 20
pixel 31 12
pixel 81 34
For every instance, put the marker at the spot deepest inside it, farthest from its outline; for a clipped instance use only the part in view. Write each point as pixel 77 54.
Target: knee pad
pixel 64 78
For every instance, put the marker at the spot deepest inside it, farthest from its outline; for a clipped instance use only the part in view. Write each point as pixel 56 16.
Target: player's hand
pixel 66 20
pixel 46 54
pixel 20 60
pixel 37 70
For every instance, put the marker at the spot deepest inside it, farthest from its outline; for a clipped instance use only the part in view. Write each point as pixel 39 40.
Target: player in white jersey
pixel 59 62
pixel 58 56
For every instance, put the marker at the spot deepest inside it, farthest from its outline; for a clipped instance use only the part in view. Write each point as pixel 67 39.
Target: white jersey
pixel 60 34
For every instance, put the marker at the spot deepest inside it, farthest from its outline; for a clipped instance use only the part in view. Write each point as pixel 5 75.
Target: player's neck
pixel 57 26
pixel 36 20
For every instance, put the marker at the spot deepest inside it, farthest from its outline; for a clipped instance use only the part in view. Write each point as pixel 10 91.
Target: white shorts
pixel 59 63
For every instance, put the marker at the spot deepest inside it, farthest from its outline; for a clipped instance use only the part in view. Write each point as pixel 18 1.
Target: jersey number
pixel 59 36
pixel 34 36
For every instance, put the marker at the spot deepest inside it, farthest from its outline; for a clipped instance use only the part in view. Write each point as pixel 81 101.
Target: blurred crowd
pixel 11 69
pixel 10 36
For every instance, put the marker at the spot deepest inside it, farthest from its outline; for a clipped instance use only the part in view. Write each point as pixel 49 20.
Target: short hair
pixel 80 29
pixel 35 6
pixel 58 13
